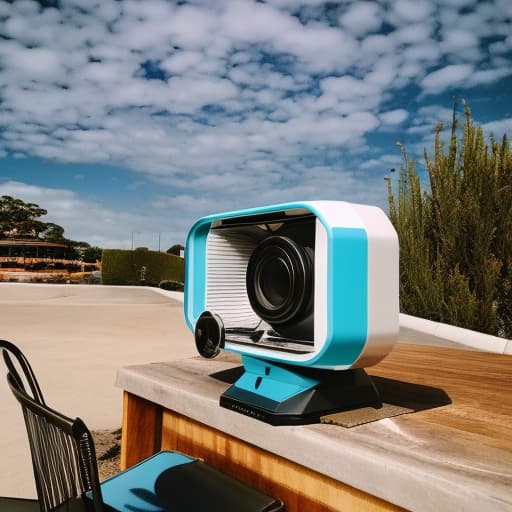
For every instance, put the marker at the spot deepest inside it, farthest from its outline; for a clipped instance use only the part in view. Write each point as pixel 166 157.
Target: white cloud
pixel 501 46
pixel 349 88
pixel 394 117
pixel 417 33
pixel 182 62
pixel 260 23
pixel 318 47
pixel 504 7
pixel 375 45
pixel 461 45
pixel 192 27
pixel 384 73
pixel 410 12
pixel 463 76
pixel 483 19
pixel 457 3
pixel 428 117
pixel 459 40
pixel 362 18
pixel 190 94
pixel 383 163
pixel 34 63
pixel 446 77
pixel 499 127
pixel 428 52
pixel 489 76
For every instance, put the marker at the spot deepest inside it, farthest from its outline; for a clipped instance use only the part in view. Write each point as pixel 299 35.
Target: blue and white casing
pixel 356 307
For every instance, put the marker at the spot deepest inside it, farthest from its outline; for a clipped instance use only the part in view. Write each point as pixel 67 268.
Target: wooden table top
pixel 478 385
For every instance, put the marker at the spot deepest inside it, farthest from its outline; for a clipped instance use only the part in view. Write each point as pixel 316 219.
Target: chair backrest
pixel 29 375
pixel 62 449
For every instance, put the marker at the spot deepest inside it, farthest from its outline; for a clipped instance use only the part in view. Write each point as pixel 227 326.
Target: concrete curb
pixel 421 330
pixel 173 295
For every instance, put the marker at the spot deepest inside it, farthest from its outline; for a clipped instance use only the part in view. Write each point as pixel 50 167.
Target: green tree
pixel 91 254
pixel 20 219
pixel 53 233
pixel 456 235
pixel 175 249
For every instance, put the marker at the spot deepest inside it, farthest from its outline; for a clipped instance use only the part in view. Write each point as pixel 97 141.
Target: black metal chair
pixel 62 449
pixel 66 472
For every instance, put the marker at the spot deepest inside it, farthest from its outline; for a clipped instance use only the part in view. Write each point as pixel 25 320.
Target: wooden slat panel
pixel 478 384
pixel 300 488
pixel 141 430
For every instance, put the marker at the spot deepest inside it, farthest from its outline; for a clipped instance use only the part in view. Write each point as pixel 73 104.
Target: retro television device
pixel 306 293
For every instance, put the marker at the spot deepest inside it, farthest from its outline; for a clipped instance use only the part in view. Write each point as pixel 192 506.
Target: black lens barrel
pixel 279 279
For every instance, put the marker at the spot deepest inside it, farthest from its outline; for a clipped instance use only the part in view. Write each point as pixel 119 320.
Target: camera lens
pixel 279 281
pixel 209 334
pixel 274 282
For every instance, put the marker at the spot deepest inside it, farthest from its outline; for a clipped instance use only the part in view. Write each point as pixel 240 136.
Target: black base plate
pixel 337 391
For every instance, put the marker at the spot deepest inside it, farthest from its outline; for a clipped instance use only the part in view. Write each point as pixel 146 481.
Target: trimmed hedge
pixel 141 267
pixel 172 286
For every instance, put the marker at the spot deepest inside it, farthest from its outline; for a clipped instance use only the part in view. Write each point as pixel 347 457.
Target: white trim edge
pixel 420 330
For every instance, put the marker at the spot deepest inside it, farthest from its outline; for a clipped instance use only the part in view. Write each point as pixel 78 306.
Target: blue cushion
pixel 134 489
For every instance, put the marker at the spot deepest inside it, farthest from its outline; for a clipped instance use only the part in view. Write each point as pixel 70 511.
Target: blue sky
pixel 124 117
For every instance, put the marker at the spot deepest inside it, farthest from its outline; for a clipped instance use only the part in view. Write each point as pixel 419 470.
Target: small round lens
pixel 209 335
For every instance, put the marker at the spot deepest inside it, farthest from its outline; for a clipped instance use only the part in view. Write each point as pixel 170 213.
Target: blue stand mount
pixel 276 394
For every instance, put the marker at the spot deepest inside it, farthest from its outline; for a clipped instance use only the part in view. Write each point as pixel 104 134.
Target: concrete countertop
pixel 456 456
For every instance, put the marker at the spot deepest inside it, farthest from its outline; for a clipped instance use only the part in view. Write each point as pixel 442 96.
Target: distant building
pixel 33 260
pixel 12 248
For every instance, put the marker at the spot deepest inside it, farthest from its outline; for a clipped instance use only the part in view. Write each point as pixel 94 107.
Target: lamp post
pixel 159 233
pixel 134 232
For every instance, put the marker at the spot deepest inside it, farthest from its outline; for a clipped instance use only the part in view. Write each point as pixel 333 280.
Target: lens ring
pixel 280 280
pixel 209 334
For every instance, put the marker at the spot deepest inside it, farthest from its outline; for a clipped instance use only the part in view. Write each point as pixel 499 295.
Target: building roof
pixel 29 242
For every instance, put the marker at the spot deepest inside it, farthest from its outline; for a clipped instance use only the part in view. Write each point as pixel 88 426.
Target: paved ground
pixel 75 338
